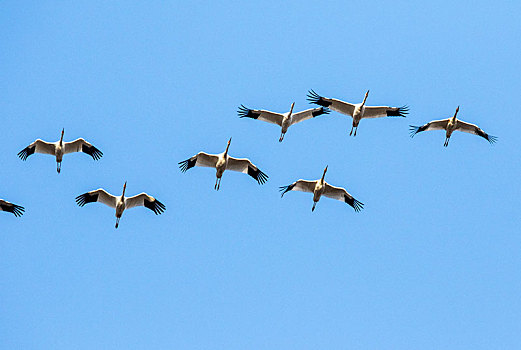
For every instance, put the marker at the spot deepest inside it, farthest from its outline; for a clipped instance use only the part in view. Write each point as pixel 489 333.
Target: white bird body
pixel 121 203
pixel 450 125
pixel 284 120
pixel 357 111
pixel 59 148
pixel 321 188
pixel 222 162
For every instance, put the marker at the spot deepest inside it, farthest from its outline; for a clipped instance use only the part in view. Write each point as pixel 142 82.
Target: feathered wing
pixel 334 104
pixel 299 185
pixel 385 111
pixel 474 129
pixel 245 166
pixel 434 125
pixel 200 159
pixel 146 201
pixel 308 114
pixel 6 206
pixel 38 146
pixel 267 116
pixel 341 194
pixel 80 145
pixel 99 195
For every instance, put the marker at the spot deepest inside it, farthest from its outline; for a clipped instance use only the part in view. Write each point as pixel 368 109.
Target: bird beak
pixel 325 170
pixel 230 140
pixel 367 93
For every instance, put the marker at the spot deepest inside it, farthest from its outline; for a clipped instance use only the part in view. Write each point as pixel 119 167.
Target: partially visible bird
pixel 357 111
pixel 321 187
pixel 450 125
pixel 222 162
pixel 284 120
pixel 120 203
pixel 59 148
pixel 17 210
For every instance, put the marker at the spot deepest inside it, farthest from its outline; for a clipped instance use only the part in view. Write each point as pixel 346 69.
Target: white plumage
pixel 450 125
pixel 320 187
pixel 121 203
pixel 222 162
pixel 59 149
pixel 284 120
pixel 357 111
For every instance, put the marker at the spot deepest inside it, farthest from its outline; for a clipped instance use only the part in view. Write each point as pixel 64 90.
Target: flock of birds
pixel 222 162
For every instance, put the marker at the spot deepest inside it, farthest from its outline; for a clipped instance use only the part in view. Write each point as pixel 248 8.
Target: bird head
pixel 325 171
pixel 124 187
pixel 61 137
pixel 291 109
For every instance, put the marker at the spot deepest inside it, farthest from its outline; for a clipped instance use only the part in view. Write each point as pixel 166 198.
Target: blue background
pixel 432 261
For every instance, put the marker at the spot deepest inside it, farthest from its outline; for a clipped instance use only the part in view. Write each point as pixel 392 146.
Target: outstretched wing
pixel 99 195
pixel 434 125
pixel 332 103
pixel 474 129
pixel 144 200
pixel 80 145
pixel 244 165
pixel 385 111
pixel 267 116
pixel 341 194
pixel 17 210
pixel 200 159
pixel 38 146
pixel 299 185
pixel 308 114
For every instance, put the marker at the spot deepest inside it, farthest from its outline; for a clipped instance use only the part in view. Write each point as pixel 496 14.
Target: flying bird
pixel 17 210
pixel 357 111
pixel 284 120
pixel 321 187
pixel 59 148
pixel 450 125
pixel 222 162
pixel 121 203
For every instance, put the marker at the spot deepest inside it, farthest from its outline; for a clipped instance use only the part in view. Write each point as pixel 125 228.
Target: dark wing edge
pixel 187 164
pixel 85 198
pixel 323 110
pixel 92 151
pixel 489 138
pixel 245 112
pixel 258 175
pixel 284 189
pixel 357 205
pixel 26 152
pixel 156 206
pixel 315 98
pixel 413 130
pixel 398 112
pixel 17 210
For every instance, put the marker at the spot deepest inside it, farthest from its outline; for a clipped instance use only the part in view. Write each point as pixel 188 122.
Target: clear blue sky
pixel 432 262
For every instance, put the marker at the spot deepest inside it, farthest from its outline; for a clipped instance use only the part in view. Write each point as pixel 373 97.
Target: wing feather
pixel 474 129
pixel 434 125
pixel 146 201
pixel 38 146
pixel 341 194
pixel 260 114
pixel 299 185
pixel 99 195
pixel 200 159
pixel 80 145
pixel 308 114
pixel 245 166
pixel 334 104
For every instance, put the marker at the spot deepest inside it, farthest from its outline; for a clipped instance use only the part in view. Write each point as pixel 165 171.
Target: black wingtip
pixel 399 112
pixel 492 139
pixel 413 130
